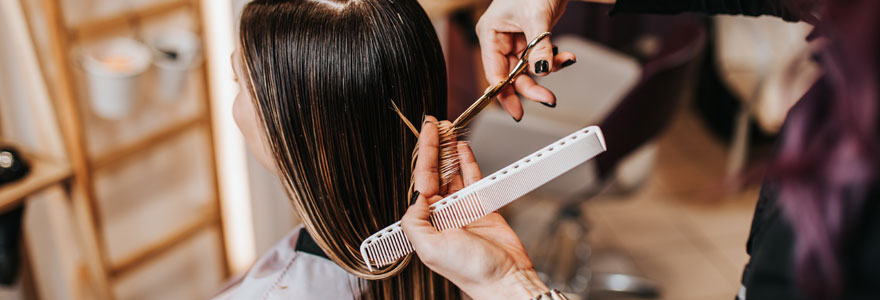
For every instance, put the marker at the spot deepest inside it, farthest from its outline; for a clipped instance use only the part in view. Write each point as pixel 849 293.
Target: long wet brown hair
pixel 323 74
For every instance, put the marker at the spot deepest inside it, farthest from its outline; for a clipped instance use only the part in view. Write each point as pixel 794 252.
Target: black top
pixel 770 271
pixel 728 7
pixel 306 244
pixel 769 274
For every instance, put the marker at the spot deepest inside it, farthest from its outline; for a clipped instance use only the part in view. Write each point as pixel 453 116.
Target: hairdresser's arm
pixel 485 259
pixel 504 31
pixel 727 7
pixel 507 26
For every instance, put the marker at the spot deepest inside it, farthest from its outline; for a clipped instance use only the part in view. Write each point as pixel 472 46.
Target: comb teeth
pixel 490 193
pixel 457 211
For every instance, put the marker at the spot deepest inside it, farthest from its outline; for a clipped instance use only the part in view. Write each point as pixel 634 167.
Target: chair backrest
pixel 648 108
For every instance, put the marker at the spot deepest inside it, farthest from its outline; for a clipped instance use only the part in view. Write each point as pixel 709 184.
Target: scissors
pixel 521 66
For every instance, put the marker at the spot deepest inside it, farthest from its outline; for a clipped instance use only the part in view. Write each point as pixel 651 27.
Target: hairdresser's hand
pixel 485 258
pixel 504 30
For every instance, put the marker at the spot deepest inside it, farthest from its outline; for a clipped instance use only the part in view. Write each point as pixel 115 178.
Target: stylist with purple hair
pixel 816 228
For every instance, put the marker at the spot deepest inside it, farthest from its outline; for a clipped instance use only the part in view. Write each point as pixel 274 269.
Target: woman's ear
pixel 245 114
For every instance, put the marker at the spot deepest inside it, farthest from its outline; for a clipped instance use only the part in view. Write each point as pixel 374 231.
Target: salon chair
pixel 766 64
pixel 632 104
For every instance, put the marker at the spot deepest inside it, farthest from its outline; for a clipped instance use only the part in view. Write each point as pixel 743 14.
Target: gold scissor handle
pixel 521 66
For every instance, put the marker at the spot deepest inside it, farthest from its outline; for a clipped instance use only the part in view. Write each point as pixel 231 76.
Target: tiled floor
pixel 681 229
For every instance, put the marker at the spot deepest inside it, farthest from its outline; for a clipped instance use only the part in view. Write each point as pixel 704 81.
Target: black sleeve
pixel 729 7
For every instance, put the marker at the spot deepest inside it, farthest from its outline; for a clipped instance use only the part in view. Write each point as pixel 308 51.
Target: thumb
pixel 541 57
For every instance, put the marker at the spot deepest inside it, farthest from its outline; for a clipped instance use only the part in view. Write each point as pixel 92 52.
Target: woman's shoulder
pixel 292 269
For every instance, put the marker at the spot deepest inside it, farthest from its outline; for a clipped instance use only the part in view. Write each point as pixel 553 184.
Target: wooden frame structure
pixel 79 172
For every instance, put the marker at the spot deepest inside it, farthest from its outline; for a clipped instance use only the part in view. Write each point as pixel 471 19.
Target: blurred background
pixel 123 176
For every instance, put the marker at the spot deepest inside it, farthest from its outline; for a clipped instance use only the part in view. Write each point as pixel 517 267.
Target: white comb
pixel 490 193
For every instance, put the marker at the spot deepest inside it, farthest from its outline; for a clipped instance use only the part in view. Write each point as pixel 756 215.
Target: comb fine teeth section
pixel 459 211
pixel 490 193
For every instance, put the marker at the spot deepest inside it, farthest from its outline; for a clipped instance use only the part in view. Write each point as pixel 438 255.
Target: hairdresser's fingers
pixel 456 183
pixel 494 47
pixel 417 227
pixel 470 171
pixel 519 44
pixel 541 57
pixel 562 60
pixel 510 102
pixel 527 87
pixel 509 99
pixel 496 66
pixel 427 178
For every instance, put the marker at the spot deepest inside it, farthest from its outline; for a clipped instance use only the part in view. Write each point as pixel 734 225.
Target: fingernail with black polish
pixel 555 51
pixel 568 63
pixel 542 66
pixel 415 196
pixel 549 104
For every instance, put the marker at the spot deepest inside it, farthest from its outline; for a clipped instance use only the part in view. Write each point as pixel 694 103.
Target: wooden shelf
pixel 100 269
pixel 104 26
pixel 43 174
pixel 146 143
pixel 206 219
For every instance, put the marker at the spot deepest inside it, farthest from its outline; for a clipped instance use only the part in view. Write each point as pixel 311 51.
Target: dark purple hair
pixel 828 156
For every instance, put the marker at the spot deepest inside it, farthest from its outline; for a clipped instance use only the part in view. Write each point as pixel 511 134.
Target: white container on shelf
pixel 114 69
pixel 176 53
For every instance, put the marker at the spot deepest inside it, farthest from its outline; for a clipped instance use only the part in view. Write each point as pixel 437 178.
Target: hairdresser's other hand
pixel 504 30
pixel 485 258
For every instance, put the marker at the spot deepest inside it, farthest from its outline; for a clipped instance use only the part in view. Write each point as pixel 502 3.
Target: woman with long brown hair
pixel 318 79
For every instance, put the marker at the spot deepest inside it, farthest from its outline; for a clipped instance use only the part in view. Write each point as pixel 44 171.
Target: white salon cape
pixel 293 269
